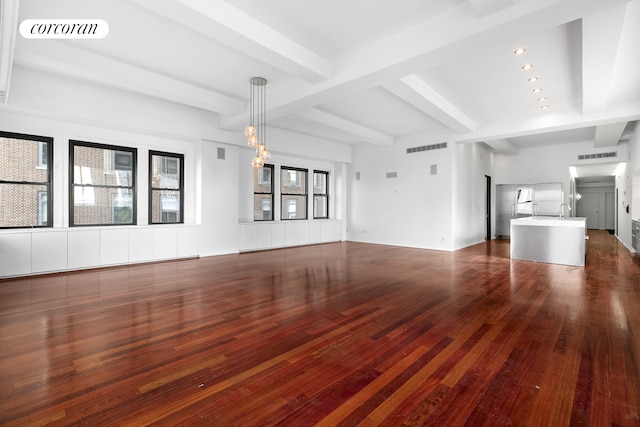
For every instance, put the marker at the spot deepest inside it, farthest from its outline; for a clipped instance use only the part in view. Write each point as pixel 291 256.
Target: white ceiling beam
pixel 57 58
pixel 562 119
pixel 489 7
pixel 8 31
pixel 424 45
pixel 418 93
pixel 609 135
pixel 629 131
pixel 363 132
pixel 228 25
pixel 503 146
pixel 601 33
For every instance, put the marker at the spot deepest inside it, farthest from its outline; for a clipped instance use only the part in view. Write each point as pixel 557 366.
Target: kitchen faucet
pixel 562 210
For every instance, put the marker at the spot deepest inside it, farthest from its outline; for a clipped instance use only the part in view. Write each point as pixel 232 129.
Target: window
pixel 121 208
pixel 166 188
pixel 102 184
pixel 263 193
pixel 43 154
pixel 320 196
pixel 43 208
pixel 25 181
pixel 170 166
pixel 292 178
pixel 122 160
pixel 293 193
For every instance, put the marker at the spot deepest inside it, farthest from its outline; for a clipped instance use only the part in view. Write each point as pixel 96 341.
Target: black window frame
pixel 263 193
pixel 49 184
pixel 324 195
pixel 180 157
pixel 306 193
pixel 134 170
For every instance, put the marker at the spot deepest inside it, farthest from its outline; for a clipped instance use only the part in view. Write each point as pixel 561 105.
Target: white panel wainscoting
pixel 188 242
pixel 141 242
pixel 84 248
pixel 114 246
pixel 165 243
pixel 15 254
pixel 279 234
pixel 36 251
pixel 49 251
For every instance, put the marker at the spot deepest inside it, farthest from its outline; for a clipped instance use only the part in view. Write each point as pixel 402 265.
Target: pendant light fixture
pixel 256 131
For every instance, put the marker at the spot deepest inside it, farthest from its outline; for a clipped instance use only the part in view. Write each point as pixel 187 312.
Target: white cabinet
pixel 25 252
pixel 15 254
pixel 48 251
pixel 84 248
pixel 261 235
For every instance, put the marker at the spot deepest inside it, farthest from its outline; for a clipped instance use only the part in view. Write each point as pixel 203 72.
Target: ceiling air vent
pixel 597 155
pixel 426 148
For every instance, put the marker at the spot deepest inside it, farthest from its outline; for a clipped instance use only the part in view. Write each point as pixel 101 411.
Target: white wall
pixel 634 171
pixel 65 110
pixel 413 209
pixel 551 164
pixel 92 109
pixel 623 186
pixel 283 233
pixel 548 164
pixel 444 211
pixel 472 162
pixel 629 191
pixel 219 193
pixel 43 104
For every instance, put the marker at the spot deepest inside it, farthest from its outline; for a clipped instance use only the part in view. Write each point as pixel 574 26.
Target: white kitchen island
pixel 549 239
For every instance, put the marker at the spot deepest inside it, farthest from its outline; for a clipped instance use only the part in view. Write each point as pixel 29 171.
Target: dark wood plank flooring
pixel 336 334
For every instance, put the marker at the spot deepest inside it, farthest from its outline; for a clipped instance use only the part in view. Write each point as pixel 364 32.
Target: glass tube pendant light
pixel 256 130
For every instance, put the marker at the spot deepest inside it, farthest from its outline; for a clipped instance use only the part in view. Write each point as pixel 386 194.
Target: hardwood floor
pixel 336 334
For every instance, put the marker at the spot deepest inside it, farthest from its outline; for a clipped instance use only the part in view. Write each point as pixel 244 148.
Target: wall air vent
pixel 426 148
pixel 392 174
pixel 598 156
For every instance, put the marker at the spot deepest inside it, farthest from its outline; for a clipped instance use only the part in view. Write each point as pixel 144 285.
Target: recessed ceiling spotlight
pixel 532 79
pixel 544 107
pixel 527 66
pixel 544 98
pixel 519 51
pixel 536 90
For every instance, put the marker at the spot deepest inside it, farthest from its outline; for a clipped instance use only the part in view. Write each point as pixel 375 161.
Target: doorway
pixel 615 212
pixel 487 208
pixel 598 202
pixel 588 207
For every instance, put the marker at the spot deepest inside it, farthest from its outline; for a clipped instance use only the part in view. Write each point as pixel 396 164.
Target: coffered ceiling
pixel 358 71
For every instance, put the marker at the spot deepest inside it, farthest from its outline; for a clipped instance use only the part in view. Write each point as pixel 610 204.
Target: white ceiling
pixel 588 172
pixel 357 71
